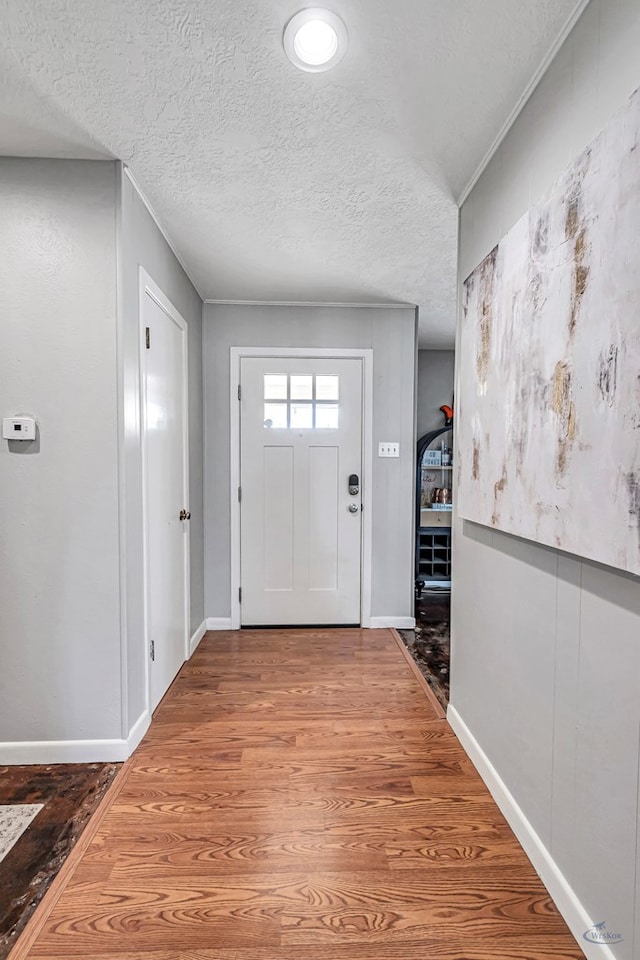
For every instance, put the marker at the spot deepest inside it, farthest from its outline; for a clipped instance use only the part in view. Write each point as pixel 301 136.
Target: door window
pixel 301 401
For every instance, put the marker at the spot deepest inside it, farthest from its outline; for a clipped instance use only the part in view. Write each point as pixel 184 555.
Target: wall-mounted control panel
pixel 388 449
pixel 18 428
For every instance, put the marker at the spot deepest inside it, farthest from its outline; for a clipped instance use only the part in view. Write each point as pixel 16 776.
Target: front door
pixel 301 479
pixel 165 456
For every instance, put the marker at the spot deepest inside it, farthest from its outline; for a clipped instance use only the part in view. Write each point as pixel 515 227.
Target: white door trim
pixel 148 287
pixel 366 355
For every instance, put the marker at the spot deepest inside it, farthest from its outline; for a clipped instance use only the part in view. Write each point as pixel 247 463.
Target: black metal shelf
pixel 434 553
pixel 433 544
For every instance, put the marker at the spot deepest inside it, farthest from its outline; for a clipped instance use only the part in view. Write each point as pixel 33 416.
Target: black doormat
pixel 69 793
pixel 429 642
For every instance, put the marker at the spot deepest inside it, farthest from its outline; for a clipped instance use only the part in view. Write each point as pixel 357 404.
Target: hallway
pixel 299 795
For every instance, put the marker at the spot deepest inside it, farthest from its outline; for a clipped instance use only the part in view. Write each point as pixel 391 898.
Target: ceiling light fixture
pixel 315 39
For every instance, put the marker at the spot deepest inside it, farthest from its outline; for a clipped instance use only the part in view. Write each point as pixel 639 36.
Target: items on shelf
pixel 433 496
pixel 448 414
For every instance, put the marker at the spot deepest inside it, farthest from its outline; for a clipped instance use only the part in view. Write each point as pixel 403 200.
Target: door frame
pixel 366 545
pixel 147 287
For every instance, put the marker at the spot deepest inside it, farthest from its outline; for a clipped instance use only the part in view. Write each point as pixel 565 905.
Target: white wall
pixel 545 647
pixel 59 591
pixel 435 387
pixel 391 334
pixel 142 244
pixel 72 679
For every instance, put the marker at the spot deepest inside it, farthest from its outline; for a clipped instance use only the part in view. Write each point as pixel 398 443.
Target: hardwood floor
pixel 299 796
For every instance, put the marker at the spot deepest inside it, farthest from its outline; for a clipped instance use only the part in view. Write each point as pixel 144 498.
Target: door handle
pixel 354 485
pixel 353 508
pixel 185 515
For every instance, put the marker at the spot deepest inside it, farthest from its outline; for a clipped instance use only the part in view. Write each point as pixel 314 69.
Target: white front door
pixel 166 489
pixel 300 517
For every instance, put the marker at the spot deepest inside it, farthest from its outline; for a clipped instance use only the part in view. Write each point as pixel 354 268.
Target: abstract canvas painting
pixel 549 391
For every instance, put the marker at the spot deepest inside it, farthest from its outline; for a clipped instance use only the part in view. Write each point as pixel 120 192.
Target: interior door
pixel 301 481
pixel 166 488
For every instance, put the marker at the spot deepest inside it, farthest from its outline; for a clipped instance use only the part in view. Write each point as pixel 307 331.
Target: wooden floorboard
pixel 299 796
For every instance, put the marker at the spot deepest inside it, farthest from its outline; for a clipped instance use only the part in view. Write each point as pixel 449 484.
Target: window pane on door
pixel 327 416
pixel 301 387
pixel 275 415
pixel 275 386
pixel 301 416
pixel 327 388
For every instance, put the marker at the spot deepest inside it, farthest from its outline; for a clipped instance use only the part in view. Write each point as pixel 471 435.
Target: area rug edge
pixel 430 695
pixel 28 936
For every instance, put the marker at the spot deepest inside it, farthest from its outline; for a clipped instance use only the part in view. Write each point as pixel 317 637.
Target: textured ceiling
pixel 272 183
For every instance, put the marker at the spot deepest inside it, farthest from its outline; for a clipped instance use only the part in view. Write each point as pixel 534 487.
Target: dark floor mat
pixel 429 642
pixel 69 793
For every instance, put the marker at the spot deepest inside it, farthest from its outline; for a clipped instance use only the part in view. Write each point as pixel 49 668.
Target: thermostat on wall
pixel 18 428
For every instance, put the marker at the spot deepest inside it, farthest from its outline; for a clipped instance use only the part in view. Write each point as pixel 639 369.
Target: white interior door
pixel 300 525
pixel 166 489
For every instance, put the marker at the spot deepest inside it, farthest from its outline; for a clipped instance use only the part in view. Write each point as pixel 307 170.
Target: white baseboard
pixel 197 637
pixel 138 731
pixel 404 623
pixel 74 751
pixel 219 623
pixel 577 918
pixel 400 623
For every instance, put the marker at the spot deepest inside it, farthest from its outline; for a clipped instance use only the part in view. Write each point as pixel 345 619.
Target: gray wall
pixel 435 387
pixel 391 334
pixel 59 547
pixel 142 244
pixel 546 648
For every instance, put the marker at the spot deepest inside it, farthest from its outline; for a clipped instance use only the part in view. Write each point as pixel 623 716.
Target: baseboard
pixel 74 751
pixel 575 915
pixel 197 637
pixel 404 623
pixel 138 731
pixel 219 623
pixel 400 623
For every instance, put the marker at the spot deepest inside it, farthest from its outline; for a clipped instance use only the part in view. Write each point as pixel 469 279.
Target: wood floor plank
pixel 298 796
pixel 542 947
pixel 229 854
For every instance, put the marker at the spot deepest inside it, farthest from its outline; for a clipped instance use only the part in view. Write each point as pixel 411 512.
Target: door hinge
pixel 239 494
pixel 152 650
pixel 147 337
pixel 239 392
pixel 239 594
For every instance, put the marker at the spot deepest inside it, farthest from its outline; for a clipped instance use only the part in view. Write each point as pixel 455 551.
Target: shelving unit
pixel 434 549
pixel 433 526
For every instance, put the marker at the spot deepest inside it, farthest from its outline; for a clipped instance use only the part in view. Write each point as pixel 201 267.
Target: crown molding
pixel 147 203
pixel 524 98
pixel 311 303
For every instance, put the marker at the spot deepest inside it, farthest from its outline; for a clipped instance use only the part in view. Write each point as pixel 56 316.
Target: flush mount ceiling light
pixel 315 39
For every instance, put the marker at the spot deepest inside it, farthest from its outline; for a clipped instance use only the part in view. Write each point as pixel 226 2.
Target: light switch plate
pixel 388 448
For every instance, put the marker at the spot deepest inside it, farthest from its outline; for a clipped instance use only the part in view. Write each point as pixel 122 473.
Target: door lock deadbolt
pixel 354 485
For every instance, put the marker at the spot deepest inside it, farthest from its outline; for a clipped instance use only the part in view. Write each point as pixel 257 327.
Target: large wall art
pixel 549 391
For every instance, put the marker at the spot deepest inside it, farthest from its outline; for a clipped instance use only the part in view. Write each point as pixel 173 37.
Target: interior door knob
pixel 185 515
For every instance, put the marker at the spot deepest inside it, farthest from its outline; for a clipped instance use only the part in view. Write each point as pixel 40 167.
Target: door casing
pixel 148 288
pixel 236 353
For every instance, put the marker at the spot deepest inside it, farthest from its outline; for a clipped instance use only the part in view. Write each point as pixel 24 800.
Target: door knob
pixel 185 515
pixel 353 508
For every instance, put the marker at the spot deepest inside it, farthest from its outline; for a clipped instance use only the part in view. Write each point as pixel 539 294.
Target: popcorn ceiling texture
pixel 275 184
